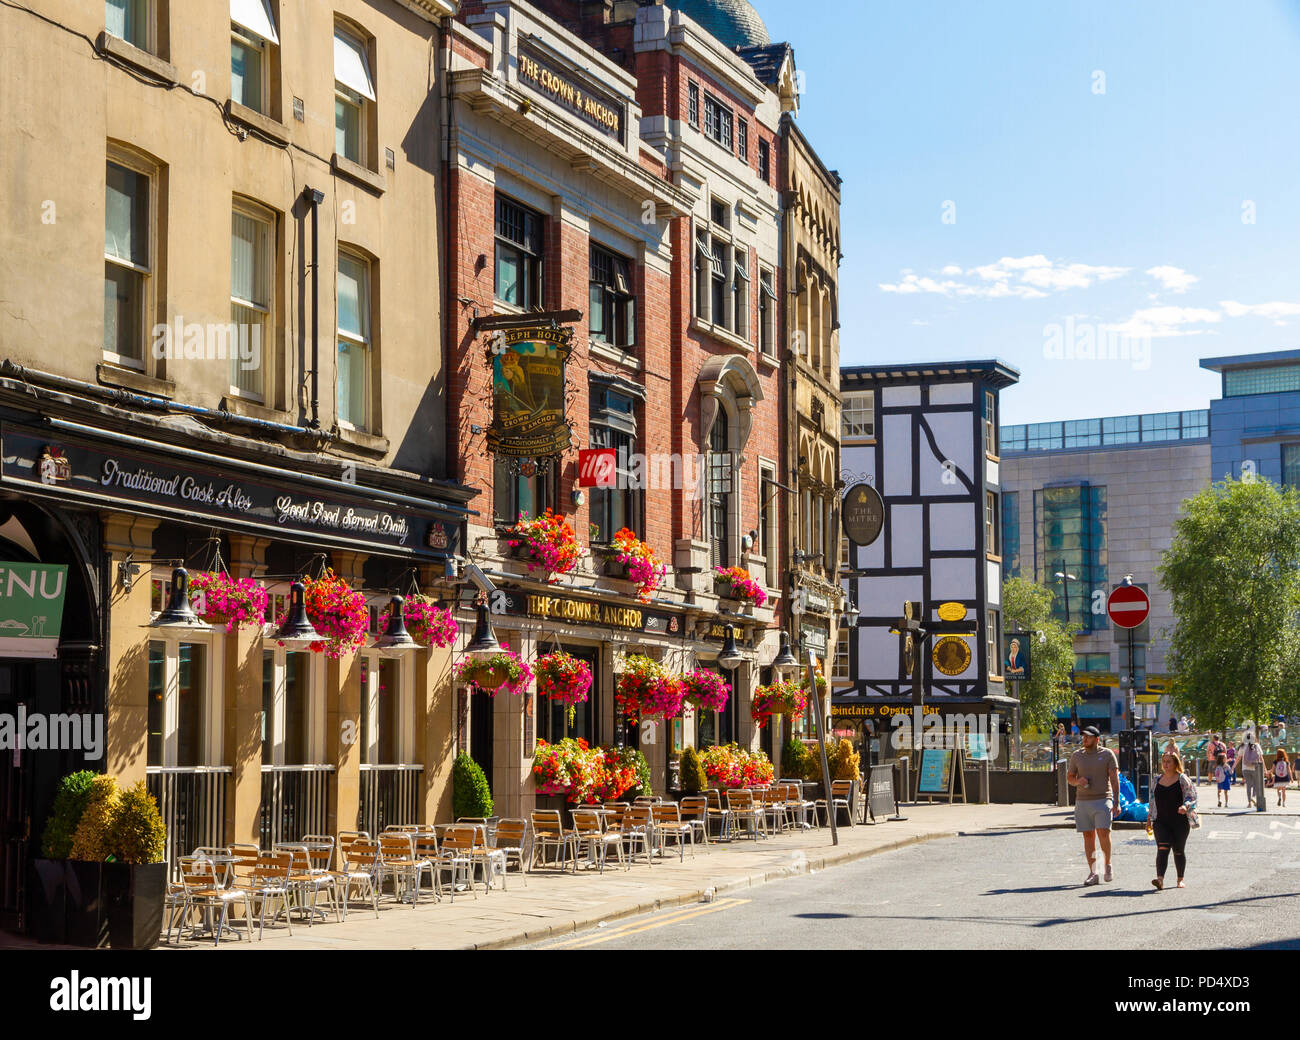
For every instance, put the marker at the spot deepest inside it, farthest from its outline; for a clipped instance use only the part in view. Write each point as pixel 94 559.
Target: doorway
pixel 482 710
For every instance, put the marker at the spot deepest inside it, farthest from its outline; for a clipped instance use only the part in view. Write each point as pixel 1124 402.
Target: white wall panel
pixel 955 438
pixel 906 536
pixel 897 433
pixel 952 526
pixel 952 579
pixel 951 393
pixel 900 396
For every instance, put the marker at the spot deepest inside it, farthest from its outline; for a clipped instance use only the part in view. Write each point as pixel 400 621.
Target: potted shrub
pixel 87 921
pixel 470 794
pixel 562 677
pixel 728 766
pixel 429 623
pixel 502 670
pixel 546 543
pixel 694 779
pixel 220 599
pixel 336 612
pixel 49 879
pixel 781 698
pixel 635 561
pixel 736 583
pixel 135 880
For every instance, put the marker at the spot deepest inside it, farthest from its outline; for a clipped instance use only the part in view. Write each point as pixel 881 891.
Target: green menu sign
pixel 31 608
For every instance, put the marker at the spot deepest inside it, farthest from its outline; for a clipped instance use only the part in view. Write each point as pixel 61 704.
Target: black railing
pixel 295 802
pixel 389 794
pixel 192 802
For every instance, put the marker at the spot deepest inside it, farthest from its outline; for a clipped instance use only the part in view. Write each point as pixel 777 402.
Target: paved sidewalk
pixel 552 904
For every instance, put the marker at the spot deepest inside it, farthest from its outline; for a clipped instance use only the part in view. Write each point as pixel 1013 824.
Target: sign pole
pixel 810 663
pixel 1132 685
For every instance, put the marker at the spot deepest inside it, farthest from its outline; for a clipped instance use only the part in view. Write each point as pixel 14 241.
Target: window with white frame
pixel 742 140
pixel 718 121
pixel 519 245
pixel 252 35
pixel 132 21
pixel 293 708
pixel 840 669
pixel 858 415
pixel 354 93
pixel 386 704
pixel 992 642
pixel 354 341
pixel 766 313
pixel 252 235
pixel 128 231
pixel 184 691
pixel 740 294
pixel 693 104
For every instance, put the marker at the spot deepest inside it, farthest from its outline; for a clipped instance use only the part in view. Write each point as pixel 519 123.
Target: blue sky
pixel 1161 217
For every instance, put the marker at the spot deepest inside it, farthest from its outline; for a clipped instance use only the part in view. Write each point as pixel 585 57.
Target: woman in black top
pixel 1172 796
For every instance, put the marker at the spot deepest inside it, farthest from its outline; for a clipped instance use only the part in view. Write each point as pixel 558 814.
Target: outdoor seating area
pixel 239 891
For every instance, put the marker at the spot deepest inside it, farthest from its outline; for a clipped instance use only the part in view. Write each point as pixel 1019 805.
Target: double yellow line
pixel 634 927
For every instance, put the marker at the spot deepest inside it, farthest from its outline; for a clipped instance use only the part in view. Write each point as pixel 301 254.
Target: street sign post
pixel 1128 607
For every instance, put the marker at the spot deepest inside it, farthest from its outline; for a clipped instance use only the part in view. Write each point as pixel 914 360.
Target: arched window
pixel 720 491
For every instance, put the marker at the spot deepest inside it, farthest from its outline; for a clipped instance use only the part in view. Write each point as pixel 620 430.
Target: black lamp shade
pixel 297 632
pixel 484 642
pixel 178 611
pixel 785 661
pixel 730 655
pixel 396 640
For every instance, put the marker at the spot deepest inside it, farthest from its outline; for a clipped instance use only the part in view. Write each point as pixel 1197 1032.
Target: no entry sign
pixel 1128 606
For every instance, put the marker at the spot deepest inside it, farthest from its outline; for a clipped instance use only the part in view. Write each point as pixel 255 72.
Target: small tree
pixel 470 795
pixel 91 842
pixel 845 763
pixel 69 804
pixel 1027 607
pixel 135 832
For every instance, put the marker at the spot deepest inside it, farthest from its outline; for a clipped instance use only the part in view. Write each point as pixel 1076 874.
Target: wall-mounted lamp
pixel 579 496
pixel 127 570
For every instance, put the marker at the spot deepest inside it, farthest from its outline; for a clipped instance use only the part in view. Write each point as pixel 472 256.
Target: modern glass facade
pixel 1070 538
pixel 1099 433
pixel 1291 465
pixel 1272 379
pixel 1011 534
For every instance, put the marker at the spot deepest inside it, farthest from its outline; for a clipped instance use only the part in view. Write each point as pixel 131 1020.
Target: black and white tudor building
pixel 926 437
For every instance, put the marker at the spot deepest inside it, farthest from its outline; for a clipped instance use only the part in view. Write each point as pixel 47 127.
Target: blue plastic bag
pixel 1130 808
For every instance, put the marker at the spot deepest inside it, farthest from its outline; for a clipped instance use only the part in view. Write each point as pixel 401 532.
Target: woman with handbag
pixel 1172 817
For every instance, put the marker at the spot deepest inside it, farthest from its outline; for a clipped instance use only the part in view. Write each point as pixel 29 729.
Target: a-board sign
pixel 880 796
pixel 936 771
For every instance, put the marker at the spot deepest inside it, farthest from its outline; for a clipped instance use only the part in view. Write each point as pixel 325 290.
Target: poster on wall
pixel 528 392
pixel 31 609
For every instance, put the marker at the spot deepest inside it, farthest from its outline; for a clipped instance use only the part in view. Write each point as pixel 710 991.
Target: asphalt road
pixel 1007 890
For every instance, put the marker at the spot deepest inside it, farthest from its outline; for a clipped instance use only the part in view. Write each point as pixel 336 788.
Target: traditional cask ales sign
pixel 597 108
pixel 528 392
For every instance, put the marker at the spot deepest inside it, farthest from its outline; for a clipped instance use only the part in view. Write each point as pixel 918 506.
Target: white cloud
pixel 1276 310
pixel 1175 279
pixel 1025 278
pixel 1162 322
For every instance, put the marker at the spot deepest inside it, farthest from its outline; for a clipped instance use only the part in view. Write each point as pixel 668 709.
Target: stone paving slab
pixel 554 904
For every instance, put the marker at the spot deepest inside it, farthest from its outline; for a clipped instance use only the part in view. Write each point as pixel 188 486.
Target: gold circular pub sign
pixel 951 655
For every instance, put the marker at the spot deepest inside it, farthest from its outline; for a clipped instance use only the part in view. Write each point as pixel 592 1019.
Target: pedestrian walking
pixel 1222 780
pixel 1058 739
pixel 1172 817
pixel 1281 732
pixel 1074 732
pixel 1094 773
pixel 1281 775
pixel 1252 755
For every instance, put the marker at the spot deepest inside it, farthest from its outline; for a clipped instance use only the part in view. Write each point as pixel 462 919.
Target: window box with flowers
pixel 336 612
pixel 564 678
pixel 219 599
pixel 546 543
pixel 783 698
pixel 504 670
pixel 647 690
pixel 633 560
pixel 736 583
pixel 429 623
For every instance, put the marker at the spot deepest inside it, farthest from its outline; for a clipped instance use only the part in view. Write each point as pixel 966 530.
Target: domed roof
pixel 734 23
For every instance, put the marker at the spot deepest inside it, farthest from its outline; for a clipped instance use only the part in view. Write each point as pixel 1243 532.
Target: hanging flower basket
pixel 504 670
pixel 648 690
pixel 429 623
pixel 562 677
pixel 783 698
pixel 233 602
pixel 736 583
pixel 337 613
pixel 706 690
pixel 546 543
pixel 638 563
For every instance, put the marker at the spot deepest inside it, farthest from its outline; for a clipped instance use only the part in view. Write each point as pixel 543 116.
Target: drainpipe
pixel 314 197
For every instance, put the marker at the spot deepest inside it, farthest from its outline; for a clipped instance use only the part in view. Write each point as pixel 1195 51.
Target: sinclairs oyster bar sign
pixel 73 470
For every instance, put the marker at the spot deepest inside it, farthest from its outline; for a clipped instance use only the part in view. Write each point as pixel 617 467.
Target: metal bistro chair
pixel 359 867
pixel 549 832
pixel 512 838
pixel 268 880
pixel 638 828
pixel 597 841
pixel 204 892
pixel 719 814
pixel 456 856
pixel 695 811
pixel 747 812
pixel 397 860
pixel 669 825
